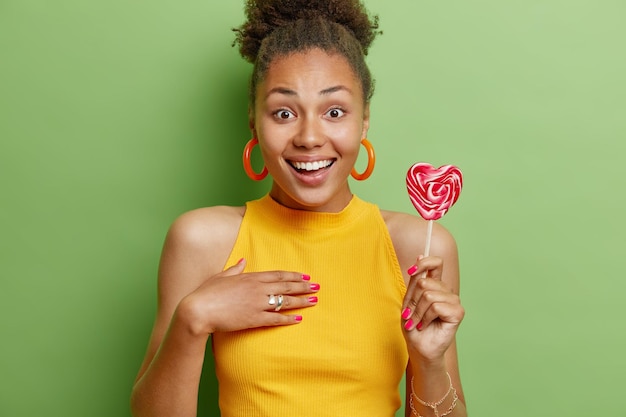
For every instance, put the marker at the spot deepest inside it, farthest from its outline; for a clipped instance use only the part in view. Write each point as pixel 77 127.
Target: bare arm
pixel 195 248
pixel 431 314
pixel 195 300
pixel 431 337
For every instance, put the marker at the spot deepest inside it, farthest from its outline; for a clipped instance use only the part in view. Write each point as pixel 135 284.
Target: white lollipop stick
pixel 429 235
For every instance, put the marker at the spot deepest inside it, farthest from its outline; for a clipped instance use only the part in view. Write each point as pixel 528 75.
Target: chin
pixel 318 199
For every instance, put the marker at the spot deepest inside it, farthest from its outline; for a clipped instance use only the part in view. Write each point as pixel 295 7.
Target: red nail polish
pixel 419 325
pixel 240 261
pixel 412 270
pixel 406 313
pixel 298 318
pixel 315 287
pixel 312 299
pixel 408 324
pixel 306 277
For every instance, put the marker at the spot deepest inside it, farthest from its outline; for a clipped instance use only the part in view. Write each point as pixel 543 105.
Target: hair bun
pixel 264 16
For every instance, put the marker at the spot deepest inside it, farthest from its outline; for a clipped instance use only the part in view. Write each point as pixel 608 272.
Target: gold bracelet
pixel 436 404
pixel 448 411
pixel 454 400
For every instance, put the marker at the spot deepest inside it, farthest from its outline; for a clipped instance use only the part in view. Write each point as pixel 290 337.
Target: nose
pixel 310 134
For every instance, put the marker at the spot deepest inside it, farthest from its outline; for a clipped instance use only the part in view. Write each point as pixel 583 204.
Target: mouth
pixel 311 167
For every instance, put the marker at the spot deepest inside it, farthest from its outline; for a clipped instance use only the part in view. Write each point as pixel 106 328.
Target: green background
pixel 117 116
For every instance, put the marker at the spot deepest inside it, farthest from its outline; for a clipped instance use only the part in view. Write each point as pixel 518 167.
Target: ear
pixel 366 120
pixel 251 122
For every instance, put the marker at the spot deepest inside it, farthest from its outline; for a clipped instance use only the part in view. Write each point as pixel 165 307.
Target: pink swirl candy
pixel 433 190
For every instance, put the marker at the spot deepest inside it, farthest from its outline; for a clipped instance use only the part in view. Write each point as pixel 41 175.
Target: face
pixel 309 118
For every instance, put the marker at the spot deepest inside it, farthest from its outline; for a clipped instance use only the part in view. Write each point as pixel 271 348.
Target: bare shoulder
pixel 207 226
pixel 408 230
pixel 408 234
pixel 197 245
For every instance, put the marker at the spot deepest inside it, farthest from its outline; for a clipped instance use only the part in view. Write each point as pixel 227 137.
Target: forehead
pixel 313 70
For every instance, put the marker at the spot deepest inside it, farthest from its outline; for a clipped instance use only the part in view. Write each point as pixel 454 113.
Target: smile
pixel 312 166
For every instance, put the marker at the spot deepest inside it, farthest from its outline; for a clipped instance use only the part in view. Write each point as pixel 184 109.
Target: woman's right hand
pixel 233 300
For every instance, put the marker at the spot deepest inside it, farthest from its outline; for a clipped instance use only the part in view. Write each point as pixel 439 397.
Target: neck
pixel 313 200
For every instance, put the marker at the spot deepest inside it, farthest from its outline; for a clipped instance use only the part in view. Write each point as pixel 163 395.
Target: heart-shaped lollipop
pixel 433 190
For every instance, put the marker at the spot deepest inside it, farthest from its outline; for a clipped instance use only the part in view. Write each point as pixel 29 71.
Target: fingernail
pixel 315 287
pixel 240 261
pixel 408 324
pixel 412 270
pixel 306 277
pixel 406 313
pixel 312 299
pixel 298 318
pixel 419 325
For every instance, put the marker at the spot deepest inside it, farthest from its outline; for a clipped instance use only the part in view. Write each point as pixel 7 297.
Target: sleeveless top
pixel 348 355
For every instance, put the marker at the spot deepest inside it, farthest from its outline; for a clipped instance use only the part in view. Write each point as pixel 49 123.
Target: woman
pixel 302 291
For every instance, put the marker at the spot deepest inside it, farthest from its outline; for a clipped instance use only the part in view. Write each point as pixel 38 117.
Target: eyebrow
pixel 334 89
pixel 324 92
pixel 281 90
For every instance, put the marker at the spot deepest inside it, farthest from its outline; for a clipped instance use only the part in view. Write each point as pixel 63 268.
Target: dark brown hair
pixel 276 28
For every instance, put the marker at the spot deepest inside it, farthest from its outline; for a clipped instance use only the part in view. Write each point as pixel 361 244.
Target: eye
pixel 335 113
pixel 284 114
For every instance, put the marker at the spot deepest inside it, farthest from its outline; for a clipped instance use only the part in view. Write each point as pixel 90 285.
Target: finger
pixel 289 302
pixel 426 291
pixel 448 312
pixel 428 299
pixel 292 288
pixel 274 319
pixel 235 269
pixel 407 305
pixel 282 276
pixel 431 265
pixel 413 293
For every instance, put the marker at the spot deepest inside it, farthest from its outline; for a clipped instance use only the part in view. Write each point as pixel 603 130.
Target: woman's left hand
pixel 431 311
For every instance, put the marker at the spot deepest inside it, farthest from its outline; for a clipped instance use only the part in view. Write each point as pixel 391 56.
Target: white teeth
pixel 312 166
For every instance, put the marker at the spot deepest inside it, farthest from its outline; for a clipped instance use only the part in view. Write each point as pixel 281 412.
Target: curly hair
pixel 276 28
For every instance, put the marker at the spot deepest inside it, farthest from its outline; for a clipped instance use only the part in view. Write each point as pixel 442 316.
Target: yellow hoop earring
pixel 371 161
pixel 247 165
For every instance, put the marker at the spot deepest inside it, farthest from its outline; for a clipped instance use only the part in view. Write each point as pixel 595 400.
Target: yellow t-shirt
pixel 348 355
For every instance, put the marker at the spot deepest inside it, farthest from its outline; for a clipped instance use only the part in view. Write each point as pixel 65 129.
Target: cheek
pixel 271 147
pixel 269 138
pixel 352 139
pixel 349 149
pixel 268 153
